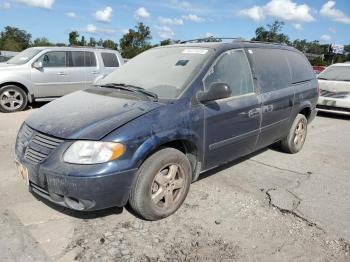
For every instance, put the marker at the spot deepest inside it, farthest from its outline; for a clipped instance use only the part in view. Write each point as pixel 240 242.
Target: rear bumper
pixel 334 105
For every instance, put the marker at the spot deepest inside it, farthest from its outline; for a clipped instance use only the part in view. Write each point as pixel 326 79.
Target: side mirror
pixel 216 91
pixel 38 65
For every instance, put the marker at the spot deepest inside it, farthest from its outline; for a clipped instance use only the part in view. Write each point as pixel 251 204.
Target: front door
pixel 53 77
pixel 231 124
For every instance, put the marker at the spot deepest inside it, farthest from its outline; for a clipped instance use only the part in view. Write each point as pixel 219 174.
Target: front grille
pixel 326 93
pixel 35 146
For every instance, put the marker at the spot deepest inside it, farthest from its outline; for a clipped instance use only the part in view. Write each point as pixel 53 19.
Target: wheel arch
pixel 20 85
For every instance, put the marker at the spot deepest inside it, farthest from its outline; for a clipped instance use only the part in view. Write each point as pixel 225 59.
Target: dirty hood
pixel 334 86
pixel 89 114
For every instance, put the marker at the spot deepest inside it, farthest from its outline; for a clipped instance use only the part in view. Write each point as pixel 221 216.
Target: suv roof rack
pixel 92 47
pixel 205 39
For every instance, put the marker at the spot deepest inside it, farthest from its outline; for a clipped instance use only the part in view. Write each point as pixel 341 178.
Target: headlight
pixel 93 152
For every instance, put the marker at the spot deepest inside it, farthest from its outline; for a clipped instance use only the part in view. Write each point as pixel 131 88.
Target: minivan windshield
pixel 24 56
pixel 164 71
pixel 336 73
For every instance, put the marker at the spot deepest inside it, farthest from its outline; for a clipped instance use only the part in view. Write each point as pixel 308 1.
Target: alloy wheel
pixel 11 99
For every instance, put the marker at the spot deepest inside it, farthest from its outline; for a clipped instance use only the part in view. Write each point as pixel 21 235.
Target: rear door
pixel 52 79
pixel 231 124
pixel 277 94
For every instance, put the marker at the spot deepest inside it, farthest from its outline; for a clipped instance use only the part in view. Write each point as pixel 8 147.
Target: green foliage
pixel 42 42
pixel 271 34
pixel 14 39
pixel 136 41
pixel 110 44
pixel 166 42
pixel 73 38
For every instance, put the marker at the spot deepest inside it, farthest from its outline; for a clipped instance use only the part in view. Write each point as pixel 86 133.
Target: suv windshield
pixel 24 56
pixel 164 71
pixel 336 73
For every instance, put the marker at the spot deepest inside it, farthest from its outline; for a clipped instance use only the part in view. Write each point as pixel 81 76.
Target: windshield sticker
pixel 195 51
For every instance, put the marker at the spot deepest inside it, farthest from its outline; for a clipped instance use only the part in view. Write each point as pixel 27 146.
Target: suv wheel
pixel 162 184
pixel 294 141
pixel 12 99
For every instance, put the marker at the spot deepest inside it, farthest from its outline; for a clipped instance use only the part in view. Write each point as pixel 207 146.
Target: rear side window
pixel 300 67
pixel 271 68
pixel 232 68
pixel 110 60
pixel 82 59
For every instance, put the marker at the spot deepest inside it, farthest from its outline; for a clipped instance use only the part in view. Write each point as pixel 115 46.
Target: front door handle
pixel 95 72
pixel 62 73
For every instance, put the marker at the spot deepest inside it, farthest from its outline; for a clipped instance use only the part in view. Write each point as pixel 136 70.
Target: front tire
pixel 295 139
pixel 12 99
pixel 161 185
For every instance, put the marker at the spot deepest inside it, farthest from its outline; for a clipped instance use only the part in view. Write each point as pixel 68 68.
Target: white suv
pixel 45 73
pixel 334 84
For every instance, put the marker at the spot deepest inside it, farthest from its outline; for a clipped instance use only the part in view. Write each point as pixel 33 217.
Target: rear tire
pixel 295 139
pixel 161 185
pixel 12 99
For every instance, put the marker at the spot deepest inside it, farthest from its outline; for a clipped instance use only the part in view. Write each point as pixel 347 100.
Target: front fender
pixel 154 142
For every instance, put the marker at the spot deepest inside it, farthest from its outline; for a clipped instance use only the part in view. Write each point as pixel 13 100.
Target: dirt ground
pixel 269 206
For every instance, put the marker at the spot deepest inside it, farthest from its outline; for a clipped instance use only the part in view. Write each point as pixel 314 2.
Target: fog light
pixel 74 203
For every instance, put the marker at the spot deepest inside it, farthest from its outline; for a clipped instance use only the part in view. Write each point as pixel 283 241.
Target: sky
pixel 325 21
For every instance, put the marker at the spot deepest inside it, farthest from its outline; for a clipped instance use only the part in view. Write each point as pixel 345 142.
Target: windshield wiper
pixel 132 88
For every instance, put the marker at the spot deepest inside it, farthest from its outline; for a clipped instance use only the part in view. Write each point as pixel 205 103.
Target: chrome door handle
pixel 62 73
pixel 95 72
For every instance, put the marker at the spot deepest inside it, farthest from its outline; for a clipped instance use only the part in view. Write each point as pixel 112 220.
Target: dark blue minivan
pixel 166 116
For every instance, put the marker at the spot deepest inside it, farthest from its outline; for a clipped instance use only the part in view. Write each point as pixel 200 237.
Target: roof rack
pixel 205 39
pixel 234 39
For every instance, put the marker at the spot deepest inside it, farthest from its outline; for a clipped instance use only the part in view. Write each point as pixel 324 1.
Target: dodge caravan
pixel 165 117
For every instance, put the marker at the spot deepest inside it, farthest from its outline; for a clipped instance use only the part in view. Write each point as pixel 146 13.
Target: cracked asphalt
pixel 269 206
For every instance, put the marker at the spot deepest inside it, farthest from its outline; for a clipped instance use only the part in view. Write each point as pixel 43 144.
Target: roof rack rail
pixel 92 47
pixel 207 39
pixel 264 42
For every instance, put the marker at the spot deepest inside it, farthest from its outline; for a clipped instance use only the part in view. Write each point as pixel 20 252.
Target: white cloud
pixel 125 31
pixel 325 38
pixel 193 18
pixel 104 15
pixel 165 32
pixel 46 4
pixel 5 5
pixel 255 13
pixel 71 15
pixel 337 15
pixel 282 9
pixel 142 13
pixel 297 27
pixel 93 29
pixel 170 21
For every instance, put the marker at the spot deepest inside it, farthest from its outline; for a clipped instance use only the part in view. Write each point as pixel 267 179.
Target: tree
pixel 14 39
pixel 92 42
pixel 136 41
pixel 166 42
pixel 272 34
pixel 110 44
pixel 82 42
pixel 73 38
pixel 42 42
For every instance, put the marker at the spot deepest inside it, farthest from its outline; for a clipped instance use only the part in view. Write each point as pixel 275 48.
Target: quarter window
pixel 53 59
pixel 110 60
pixel 232 68
pixel 300 67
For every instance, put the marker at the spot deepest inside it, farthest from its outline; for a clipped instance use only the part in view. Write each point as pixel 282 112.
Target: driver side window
pixel 53 59
pixel 233 69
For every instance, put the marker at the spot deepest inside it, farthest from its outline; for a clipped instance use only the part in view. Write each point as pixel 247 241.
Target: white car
pixel 334 84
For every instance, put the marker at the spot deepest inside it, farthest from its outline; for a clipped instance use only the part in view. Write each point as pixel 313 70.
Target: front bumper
pixel 83 193
pixel 334 105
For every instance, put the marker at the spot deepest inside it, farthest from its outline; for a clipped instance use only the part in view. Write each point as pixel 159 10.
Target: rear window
pixel 300 67
pixel 82 59
pixel 110 60
pixel 271 68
